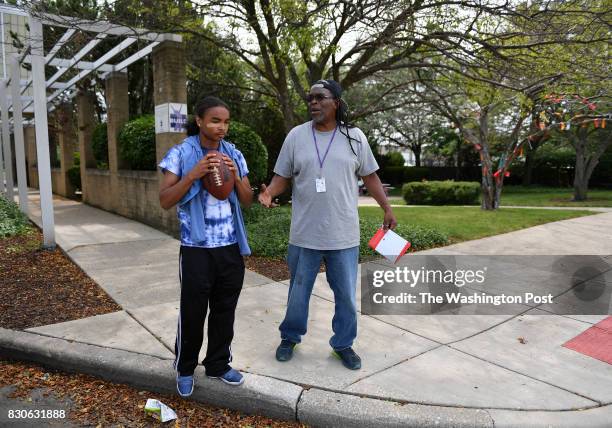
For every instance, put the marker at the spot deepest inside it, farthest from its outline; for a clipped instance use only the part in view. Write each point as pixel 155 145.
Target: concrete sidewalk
pixel 418 370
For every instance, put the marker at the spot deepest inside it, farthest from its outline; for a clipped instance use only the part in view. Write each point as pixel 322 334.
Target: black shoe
pixel 349 358
pixel 284 352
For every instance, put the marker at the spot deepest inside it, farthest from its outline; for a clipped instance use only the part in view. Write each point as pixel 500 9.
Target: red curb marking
pixel 605 324
pixel 595 342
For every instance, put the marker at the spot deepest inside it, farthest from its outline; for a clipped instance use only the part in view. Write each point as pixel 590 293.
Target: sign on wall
pixel 170 117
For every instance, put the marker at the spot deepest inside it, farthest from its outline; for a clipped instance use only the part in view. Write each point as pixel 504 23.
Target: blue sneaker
pixel 231 377
pixel 284 352
pixel 184 385
pixel 349 358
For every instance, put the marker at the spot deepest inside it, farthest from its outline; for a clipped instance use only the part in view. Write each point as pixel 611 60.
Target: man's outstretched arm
pixel 277 186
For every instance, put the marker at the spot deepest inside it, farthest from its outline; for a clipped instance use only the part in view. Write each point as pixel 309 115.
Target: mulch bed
pixel 272 268
pixel 98 403
pixel 39 287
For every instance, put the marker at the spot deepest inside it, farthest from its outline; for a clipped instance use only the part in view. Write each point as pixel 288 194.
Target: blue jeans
pixel 341 275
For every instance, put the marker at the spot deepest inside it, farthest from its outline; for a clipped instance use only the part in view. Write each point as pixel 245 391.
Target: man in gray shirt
pixel 323 159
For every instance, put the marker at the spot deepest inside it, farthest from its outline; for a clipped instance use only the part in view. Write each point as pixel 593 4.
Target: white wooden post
pixel 22 184
pixel 2 188
pixel 6 140
pixel 42 133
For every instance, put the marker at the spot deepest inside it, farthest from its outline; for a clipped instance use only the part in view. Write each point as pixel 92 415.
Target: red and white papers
pixel 389 244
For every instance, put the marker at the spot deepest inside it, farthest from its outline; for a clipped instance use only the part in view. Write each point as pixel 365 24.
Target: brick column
pixel 86 122
pixel 170 86
pixel 29 136
pixel 118 111
pixel 67 140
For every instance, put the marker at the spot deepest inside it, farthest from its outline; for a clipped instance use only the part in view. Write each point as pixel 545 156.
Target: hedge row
pixel 268 231
pixel 398 175
pixel 442 193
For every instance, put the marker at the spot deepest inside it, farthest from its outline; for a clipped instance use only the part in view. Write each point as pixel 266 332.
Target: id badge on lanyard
pixel 320 185
pixel 320 182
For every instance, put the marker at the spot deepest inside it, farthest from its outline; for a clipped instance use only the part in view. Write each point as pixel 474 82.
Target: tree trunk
pixel 580 189
pixel 581 179
pixel 458 161
pixel 287 111
pixel 491 191
pixel 498 190
pixel 529 166
pixel 417 156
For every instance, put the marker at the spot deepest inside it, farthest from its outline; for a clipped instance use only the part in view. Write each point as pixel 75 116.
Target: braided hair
pixel 343 120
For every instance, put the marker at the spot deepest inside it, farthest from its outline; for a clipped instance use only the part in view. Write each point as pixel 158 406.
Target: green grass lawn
pixel 465 223
pixel 535 196
pixel 553 197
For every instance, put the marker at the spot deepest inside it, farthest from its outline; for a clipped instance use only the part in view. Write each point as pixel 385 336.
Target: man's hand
pixel 389 221
pixel 265 198
pixel 203 167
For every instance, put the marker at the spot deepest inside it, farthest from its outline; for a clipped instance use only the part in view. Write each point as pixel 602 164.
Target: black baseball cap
pixel 331 85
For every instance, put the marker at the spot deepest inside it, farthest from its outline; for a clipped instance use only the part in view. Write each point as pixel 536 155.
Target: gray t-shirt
pixel 324 220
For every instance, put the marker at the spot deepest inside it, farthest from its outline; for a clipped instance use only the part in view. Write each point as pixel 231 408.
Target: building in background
pixel 13 28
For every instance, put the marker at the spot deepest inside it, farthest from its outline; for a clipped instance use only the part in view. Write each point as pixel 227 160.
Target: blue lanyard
pixel 314 137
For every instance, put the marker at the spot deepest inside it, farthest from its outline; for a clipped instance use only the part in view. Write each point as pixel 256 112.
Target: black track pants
pixel 210 277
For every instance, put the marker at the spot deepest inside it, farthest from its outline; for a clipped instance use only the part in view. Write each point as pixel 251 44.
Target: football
pixel 220 181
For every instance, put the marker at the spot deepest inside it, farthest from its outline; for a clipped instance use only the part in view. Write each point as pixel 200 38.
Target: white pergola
pixel 48 91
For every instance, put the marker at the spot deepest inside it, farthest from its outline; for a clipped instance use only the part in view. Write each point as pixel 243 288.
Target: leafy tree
pixel 407 126
pixel 447 147
pixel 572 108
pixel 99 145
pixel 583 122
pixel 289 44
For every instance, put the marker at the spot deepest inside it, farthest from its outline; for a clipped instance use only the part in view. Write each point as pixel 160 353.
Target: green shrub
pixel 254 151
pixel 396 159
pixel 137 142
pixel 74 173
pixel 415 193
pixel 256 213
pixel 442 193
pixel 268 232
pixel 389 160
pixel 12 220
pixel 420 238
pixel 99 145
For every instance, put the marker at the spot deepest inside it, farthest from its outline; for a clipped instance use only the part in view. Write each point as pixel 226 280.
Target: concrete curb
pixel 331 409
pixel 275 398
pixel 260 394
pixel 599 417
